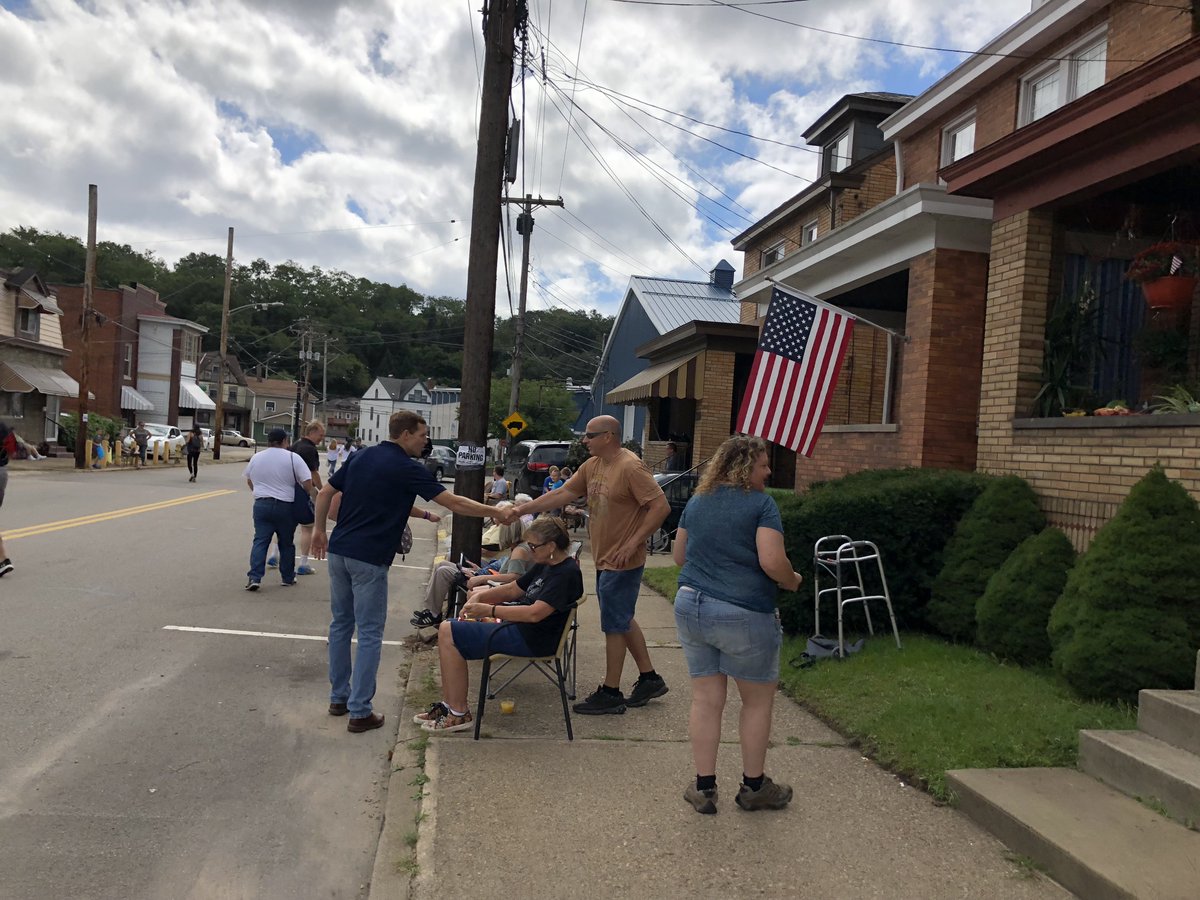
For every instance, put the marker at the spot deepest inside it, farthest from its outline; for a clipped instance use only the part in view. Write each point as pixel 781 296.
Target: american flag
pixel 795 371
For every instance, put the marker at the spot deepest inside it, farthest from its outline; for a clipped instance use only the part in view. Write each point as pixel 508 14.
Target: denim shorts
pixel 618 593
pixel 471 637
pixel 721 638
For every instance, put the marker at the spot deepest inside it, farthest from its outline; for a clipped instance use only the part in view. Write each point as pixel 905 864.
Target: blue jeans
pixel 618 593
pixel 358 597
pixel 722 638
pixel 273 518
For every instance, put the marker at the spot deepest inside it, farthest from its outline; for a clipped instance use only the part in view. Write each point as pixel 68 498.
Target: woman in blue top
pixel 730 545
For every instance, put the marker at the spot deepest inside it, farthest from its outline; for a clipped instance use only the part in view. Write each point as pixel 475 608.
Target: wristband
pixel 425 514
pixel 494 616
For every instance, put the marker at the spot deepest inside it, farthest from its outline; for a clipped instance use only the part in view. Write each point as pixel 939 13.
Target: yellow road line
pixel 46 527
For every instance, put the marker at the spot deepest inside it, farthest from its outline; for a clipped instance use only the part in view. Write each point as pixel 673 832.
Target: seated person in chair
pixel 538 602
pixel 497 488
pixel 447 574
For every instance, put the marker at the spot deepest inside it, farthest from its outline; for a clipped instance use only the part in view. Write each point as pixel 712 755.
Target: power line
pixel 567 140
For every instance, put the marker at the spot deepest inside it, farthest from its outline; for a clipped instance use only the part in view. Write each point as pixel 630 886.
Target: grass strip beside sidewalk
pixel 935 706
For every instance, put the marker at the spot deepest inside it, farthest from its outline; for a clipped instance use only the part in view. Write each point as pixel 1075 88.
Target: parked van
pixel 529 463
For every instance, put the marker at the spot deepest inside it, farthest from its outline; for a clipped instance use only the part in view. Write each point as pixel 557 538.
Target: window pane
pixel 840 157
pixel 962 142
pixel 1089 69
pixel 1043 95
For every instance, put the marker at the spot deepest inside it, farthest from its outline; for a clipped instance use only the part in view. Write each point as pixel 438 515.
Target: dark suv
pixel 679 487
pixel 529 463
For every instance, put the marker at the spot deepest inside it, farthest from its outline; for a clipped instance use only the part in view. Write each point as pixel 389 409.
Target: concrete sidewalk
pixel 525 813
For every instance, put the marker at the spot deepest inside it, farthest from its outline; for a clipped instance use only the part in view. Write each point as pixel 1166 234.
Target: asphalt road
pixel 137 761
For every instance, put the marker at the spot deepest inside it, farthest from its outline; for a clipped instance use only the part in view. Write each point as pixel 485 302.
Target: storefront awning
pixel 132 400
pixel 681 378
pixel 192 397
pixel 21 378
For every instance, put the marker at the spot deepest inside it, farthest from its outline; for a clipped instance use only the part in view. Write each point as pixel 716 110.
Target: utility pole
pixel 498 25
pixel 82 444
pixel 325 384
pixel 219 412
pixel 525 229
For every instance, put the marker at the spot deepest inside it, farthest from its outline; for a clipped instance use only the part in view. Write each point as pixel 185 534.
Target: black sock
pixel 650 674
pixel 614 691
pixel 755 784
pixel 706 782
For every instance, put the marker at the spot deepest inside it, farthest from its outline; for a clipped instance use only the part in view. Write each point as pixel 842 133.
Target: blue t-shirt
pixel 379 485
pixel 722 551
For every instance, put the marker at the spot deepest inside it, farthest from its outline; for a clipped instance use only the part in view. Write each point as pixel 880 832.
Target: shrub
pixel 1014 610
pixel 909 513
pixel 1005 514
pixel 1128 617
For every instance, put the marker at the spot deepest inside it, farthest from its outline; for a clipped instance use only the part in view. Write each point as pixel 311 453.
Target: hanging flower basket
pixel 1170 292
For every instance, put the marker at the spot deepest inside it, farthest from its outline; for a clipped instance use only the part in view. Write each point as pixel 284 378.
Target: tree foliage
pixel 374 328
pixel 547 407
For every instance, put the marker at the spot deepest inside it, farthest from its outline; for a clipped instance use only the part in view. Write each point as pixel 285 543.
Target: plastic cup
pixel 508 707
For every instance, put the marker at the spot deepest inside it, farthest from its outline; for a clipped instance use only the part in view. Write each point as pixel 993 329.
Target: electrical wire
pixel 567 139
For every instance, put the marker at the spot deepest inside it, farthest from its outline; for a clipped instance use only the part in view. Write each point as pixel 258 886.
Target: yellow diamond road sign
pixel 515 423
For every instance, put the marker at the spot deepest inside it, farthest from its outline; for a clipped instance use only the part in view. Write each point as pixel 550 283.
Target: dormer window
pixel 837 154
pixel 1080 71
pixel 28 323
pixel 773 254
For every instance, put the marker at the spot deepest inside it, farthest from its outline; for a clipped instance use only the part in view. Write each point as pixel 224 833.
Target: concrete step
pixel 1144 768
pixel 1096 842
pixel 1171 716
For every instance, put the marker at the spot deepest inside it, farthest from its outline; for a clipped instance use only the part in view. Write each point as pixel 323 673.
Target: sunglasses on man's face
pixel 592 435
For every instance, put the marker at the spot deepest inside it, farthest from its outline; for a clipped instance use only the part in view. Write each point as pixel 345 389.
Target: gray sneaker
pixel 704 801
pixel 769 796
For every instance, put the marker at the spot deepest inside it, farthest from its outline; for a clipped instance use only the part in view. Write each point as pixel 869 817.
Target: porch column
pixel 1017 299
pixel 714 409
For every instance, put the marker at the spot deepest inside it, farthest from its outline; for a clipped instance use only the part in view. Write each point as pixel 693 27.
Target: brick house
pixel 273 405
pixel 239 401
pixel 903 254
pixel 1083 135
pixel 142 361
pixel 33 383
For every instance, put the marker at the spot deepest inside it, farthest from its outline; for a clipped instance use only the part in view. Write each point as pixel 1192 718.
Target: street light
pixel 219 412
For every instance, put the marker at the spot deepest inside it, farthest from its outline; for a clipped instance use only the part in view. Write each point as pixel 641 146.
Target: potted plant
pixel 1168 273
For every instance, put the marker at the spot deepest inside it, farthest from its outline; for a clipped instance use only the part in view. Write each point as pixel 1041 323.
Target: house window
pixel 12 404
pixel 809 234
pixel 232 395
pixel 837 154
pixel 958 139
pixel 129 360
pixel 773 254
pixel 28 323
pixel 269 405
pixel 190 348
pixel 1058 82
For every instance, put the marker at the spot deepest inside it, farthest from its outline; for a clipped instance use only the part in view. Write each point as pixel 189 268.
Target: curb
pixel 392 875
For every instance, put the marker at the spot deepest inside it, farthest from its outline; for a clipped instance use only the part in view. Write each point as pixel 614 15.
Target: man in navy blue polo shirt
pixel 378 486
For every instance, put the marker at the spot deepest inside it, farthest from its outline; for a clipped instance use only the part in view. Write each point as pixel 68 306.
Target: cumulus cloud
pixel 343 134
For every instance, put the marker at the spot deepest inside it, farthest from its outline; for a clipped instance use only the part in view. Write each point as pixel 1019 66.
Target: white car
pixel 235 438
pixel 160 434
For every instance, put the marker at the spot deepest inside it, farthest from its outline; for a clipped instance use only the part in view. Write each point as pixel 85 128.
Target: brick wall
pixel 789 230
pixel 858 398
pixel 1136 31
pixel 714 410
pixel 841 453
pixel 108 342
pixel 878 186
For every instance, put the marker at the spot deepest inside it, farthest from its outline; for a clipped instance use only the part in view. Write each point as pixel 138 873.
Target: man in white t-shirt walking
pixel 273 475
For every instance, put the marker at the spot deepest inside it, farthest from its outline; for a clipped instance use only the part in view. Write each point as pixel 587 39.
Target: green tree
pixel 547 407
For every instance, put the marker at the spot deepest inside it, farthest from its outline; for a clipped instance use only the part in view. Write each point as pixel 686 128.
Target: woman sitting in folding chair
pixel 538 602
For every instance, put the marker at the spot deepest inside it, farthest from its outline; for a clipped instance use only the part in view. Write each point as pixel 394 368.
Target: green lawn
pixel 935 706
pixel 663 580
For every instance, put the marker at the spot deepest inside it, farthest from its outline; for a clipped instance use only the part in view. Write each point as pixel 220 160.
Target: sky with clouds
pixel 341 133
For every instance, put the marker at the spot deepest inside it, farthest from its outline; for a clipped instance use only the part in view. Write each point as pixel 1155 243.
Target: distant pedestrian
pixel 331 456
pixel 141 438
pixel 273 475
pixel 377 495
pixel 626 506
pixel 344 453
pixel 730 545
pixel 8 448
pixel 306 447
pixel 674 461
pixel 97 452
pixel 193 445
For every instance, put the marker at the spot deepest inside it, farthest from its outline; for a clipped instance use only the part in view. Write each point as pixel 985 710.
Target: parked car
pixel 529 463
pixel 679 488
pixel 235 438
pixel 440 462
pixel 206 433
pixel 168 434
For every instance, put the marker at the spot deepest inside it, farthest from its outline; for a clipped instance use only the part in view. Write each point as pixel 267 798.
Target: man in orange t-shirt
pixel 625 506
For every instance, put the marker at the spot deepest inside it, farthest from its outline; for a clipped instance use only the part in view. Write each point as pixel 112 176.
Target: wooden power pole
pixel 499 44
pixel 219 412
pixel 82 444
pixel 525 229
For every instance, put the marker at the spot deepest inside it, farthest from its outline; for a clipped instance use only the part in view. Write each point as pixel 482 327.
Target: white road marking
pixel 274 634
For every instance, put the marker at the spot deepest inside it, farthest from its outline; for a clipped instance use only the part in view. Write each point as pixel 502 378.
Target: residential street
pixel 137 761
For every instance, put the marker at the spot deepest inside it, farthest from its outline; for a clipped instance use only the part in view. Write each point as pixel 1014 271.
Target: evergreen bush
pixel 1129 617
pixel 1005 514
pixel 1014 610
pixel 908 513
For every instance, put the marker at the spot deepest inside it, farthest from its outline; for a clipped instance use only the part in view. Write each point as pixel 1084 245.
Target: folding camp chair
pixel 563 659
